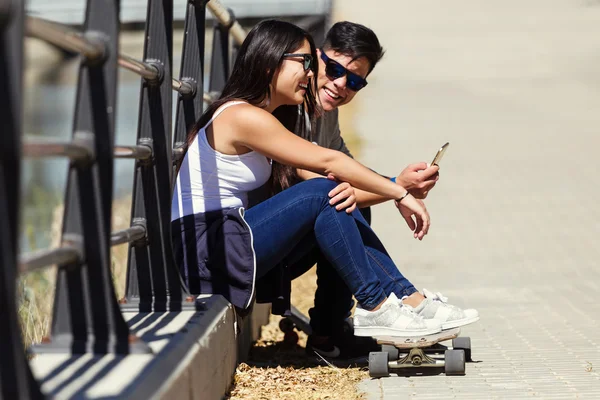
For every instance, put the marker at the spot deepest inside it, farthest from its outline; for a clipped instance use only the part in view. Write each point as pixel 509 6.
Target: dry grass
pixel 311 383
pixel 35 291
pixel 276 370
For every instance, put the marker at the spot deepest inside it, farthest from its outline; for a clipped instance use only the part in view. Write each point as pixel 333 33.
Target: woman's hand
pixel 344 193
pixel 410 207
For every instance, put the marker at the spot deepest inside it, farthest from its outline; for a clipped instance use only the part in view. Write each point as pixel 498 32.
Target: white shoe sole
pixel 376 331
pixel 459 322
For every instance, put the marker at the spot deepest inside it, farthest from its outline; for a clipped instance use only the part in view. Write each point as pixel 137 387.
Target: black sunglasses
pixel 334 70
pixel 307 59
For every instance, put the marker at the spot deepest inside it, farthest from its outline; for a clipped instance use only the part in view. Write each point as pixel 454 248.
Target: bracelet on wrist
pixel 393 179
pixel 402 198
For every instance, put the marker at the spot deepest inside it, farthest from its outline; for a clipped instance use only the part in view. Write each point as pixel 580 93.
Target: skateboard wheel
pixel 392 351
pixel 454 362
pixel 286 325
pixel 378 364
pixel 290 338
pixel 463 343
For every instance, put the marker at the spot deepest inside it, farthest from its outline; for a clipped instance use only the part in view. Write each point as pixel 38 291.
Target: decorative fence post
pixel 153 282
pixel 86 314
pixel 16 380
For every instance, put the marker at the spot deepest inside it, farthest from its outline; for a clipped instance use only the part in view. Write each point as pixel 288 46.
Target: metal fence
pixel 87 317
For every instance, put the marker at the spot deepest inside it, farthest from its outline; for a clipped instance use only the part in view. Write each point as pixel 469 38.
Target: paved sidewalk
pixel 514 86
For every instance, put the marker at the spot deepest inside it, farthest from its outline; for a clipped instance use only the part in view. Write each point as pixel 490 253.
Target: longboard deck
pixel 408 342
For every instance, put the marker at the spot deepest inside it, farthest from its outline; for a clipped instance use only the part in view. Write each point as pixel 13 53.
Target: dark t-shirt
pixel 327 133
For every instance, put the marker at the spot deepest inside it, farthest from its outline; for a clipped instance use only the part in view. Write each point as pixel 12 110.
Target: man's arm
pixel 363 198
pixel 331 137
pixel 418 179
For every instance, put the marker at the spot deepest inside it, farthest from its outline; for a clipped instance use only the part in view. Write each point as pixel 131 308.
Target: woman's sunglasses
pixel 335 70
pixel 307 59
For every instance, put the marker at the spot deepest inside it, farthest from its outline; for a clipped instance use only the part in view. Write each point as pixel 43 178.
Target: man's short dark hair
pixel 355 41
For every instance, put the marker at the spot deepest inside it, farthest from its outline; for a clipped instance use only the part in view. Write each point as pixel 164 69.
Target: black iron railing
pixel 87 318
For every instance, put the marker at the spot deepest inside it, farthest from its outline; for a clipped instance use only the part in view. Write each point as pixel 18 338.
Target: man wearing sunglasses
pixel 347 57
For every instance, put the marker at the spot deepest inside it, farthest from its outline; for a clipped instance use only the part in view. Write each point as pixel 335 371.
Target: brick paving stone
pixel 515 216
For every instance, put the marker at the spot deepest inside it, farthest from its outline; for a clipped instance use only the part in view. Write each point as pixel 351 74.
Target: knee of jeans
pixel 319 187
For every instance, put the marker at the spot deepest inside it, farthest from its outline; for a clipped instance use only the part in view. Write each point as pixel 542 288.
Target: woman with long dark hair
pixel 245 139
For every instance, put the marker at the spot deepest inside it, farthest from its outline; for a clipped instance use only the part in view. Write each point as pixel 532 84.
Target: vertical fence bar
pixel 86 315
pixel 16 379
pixel 189 109
pixel 220 65
pixel 153 282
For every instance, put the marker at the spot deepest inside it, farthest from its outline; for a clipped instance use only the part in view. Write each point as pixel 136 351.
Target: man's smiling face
pixel 333 92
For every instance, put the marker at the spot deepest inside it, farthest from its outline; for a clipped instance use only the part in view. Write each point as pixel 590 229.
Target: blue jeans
pixel 292 224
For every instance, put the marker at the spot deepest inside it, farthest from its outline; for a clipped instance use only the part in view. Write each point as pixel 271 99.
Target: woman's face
pixel 291 81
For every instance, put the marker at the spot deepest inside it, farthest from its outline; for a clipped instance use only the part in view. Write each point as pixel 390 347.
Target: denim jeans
pixel 333 299
pixel 292 224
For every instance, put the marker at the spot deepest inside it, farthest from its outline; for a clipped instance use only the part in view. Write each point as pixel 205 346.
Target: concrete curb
pixel 221 349
pixel 195 355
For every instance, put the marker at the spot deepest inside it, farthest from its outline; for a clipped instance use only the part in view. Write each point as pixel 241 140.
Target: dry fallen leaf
pixel 276 370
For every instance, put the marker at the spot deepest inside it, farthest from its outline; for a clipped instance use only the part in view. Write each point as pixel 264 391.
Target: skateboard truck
pixel 416 357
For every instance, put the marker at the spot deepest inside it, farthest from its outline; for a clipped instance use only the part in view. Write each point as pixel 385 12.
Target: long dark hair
pixel 258 59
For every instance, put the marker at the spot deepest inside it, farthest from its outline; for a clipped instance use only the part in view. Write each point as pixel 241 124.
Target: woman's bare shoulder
pixel 244 113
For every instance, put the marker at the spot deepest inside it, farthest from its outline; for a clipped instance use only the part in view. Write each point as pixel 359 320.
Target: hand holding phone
pixel 440 154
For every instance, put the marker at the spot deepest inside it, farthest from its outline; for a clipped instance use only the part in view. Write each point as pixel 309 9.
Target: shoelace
pixel 441 298
pixel 435 296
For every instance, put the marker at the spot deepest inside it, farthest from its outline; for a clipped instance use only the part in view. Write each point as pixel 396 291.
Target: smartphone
pixel 440 154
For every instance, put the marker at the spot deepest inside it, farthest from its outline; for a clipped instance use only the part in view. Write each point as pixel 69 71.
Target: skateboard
pixel 399 352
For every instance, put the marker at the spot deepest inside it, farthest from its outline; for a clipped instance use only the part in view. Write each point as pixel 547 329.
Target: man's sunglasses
pixel 307 59
pixel 335 70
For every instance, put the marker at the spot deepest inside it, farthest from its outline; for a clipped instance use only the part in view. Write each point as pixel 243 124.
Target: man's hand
pixel 344 193
pixel 419 179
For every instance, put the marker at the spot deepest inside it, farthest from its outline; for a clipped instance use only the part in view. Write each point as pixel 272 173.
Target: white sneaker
pixel 435 307
pixel 392 319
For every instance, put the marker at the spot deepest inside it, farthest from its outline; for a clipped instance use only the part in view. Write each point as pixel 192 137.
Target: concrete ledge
pixel 195 356
pixel 250 329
